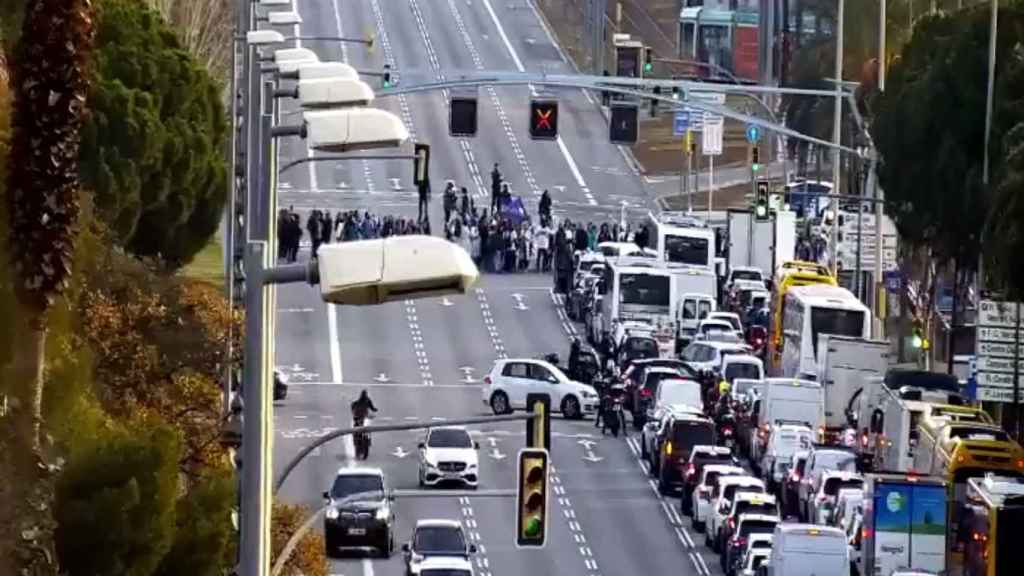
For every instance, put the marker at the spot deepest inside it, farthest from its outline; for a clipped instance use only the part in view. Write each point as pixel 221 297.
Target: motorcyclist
pixel 574 357
pixel 361 408
pixel 724 403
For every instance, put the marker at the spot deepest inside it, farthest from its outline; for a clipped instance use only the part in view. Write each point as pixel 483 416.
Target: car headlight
pixel 471 466
pixel 588 394
pixel 383 513
pixel 432 465
pixel 332 513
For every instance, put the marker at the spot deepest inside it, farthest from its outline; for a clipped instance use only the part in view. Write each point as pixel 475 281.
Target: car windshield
pixel 742 370
pixel 686 250
pixel 834 485
pixel 686 434
pixel 716 328
pixel 835 460
pixel 645 289
pixel 751 507
pixel 681 392
pixel 746 275
pixel 733 488
pixel 449 438
pixel 641 346
pixel 439 540
pixel 346 485
pixel 757 527
pixel 837 322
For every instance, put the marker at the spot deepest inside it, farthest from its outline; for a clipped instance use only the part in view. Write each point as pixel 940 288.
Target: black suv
pixel 679 435
pixel 359 512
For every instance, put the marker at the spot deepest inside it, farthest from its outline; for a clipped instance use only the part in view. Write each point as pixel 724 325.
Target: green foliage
pixel 1006 221
pixel 153 151
pixel 115 503
pixel 929 129
pixel 204 531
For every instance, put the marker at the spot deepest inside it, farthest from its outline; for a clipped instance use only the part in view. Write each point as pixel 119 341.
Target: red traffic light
pixel 543 119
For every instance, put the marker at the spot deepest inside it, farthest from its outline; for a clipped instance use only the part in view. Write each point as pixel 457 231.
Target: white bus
pixel 682 241
pixel 642 294
pixel 812 310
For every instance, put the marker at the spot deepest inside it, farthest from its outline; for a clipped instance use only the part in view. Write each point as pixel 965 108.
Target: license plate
pixel 357 531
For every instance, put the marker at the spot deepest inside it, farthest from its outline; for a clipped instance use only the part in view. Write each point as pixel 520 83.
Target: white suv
pixel 448 454
pixel 711 476
pixel 438 547
pixel 512 379
pixel 727 488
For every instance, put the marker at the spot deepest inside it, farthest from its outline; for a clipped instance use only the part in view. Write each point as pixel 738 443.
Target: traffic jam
pixel 758 398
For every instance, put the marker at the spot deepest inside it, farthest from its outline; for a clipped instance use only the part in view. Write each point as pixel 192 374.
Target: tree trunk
pixel 953 318
pixel 26 493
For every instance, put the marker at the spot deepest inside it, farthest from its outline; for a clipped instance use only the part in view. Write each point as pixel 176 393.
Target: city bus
pixel 994 520
pixel 789 275
pixel 724 41
pixel 682 241
pixel 958 451
pixel 813 310
pixel 640 293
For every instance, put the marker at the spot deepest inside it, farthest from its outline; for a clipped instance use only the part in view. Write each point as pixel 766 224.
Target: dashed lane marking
pixel 417 343
pixel 492 329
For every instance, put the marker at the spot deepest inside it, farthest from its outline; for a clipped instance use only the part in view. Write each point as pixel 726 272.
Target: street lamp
pixel 331 92
pixel 348 129
pixel 287 18
pixel 290 59
pixel 307 70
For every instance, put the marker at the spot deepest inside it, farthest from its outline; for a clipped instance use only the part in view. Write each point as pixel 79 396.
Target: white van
pixel 808 550
pixel 788 401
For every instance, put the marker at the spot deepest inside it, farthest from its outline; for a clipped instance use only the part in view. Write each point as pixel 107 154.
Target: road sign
pixel 999 351
pixel 893 281
pixel 753 133
pixel 681 123
pixel 714 127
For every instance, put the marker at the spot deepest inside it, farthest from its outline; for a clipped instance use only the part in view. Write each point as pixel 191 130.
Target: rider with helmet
pixel 361 408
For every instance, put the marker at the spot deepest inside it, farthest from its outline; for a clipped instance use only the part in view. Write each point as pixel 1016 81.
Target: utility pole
pixel 882 20
pixel 837 128
pixel 990 92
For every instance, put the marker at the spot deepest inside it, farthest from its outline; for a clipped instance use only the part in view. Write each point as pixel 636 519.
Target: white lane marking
pixel 335 344
pixel 504 37
pixel 367 567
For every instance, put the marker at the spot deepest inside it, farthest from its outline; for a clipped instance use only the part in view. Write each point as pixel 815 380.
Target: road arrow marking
pixel 382 378
pixel 399 453
pixel 467 374
pixel 519 302
pixel 493 441
pixel 587 444
pixel 496 454
pixel 446 302
pixel 590 457
pixel 395 185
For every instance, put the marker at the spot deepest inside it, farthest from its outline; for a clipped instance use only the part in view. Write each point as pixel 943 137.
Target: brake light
pixel 732 523
pixel 691 470
pixel 794 477
pixel 727 431
pixel 740 542
pixel 822 498
pixel 487 380
pixel 1020 463
pixel 646 392
pixel 863 439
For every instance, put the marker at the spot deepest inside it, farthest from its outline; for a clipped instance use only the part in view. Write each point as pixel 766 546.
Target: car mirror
pixel 476 445
pixel 391 496
pixel 472 548
pixel 405 548
pixel 327 495
pixel 422 446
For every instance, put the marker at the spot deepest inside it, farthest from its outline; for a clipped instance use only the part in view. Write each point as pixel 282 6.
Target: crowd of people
pixel 344 226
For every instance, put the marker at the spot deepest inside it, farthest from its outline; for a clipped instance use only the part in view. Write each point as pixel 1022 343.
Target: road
pixel 424 359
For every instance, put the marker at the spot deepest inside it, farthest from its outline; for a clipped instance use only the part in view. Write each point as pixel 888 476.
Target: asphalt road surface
pixel 424 359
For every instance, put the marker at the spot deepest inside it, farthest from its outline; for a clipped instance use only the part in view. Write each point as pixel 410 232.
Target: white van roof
pixel 808 537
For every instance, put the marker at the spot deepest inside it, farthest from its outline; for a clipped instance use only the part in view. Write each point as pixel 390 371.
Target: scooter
pixel 361 441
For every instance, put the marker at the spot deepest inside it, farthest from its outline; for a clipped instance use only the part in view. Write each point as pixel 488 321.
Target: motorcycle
pixel 361 440
pixel 613 416
pixel 727 430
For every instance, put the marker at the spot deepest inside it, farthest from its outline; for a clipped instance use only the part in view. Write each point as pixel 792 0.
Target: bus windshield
pixel 686 250
pixel 837 322
pixel 645 289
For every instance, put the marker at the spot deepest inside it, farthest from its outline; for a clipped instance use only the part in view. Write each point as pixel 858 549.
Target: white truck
pixel 787 401
pixel 844 366
pixel 763 245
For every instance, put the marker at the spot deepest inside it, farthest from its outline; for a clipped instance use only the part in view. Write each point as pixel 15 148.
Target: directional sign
pixel 714 127
pixel 995 379
pixel 1006 335
pixel 997 314
pixel 1006 365
pixel 680 123
pixel 998 350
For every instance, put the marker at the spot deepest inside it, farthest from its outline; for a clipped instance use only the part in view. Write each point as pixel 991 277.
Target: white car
pixel 448 454
pixel 512 379
pixel 753 560
pixel 785 440
pixel 825 489
pixel 445 566
pixel 731 317
pixel 709 328
pixel 711 477
pixel 727 488
pixel 435 540
pixel 706 356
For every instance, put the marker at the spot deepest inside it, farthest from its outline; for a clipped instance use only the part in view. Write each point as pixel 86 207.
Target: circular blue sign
pixel 753 133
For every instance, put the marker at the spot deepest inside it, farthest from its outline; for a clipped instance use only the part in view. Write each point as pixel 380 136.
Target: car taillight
pixel 727 431
pixel 822 498
pixel 487 380
pixel 645 393
pixel 690 470
pixel 732 523
pixel 740 542
pixel 794 477
pixel 863 439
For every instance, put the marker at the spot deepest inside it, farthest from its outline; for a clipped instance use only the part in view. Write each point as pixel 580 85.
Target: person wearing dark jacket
pixel 544 209
pixel 495 187
pixel 581 240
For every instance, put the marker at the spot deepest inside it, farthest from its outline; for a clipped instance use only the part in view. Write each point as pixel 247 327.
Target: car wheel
pixel 638 421
pixel 571 408
pixel 330 548
pixel 387 546
pixel 643 449
pixel 499 403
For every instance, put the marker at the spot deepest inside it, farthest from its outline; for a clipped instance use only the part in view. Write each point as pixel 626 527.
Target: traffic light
pixel 755 158
pixel 421 164
pixel 624 125
pixel 532 498
pixel 648 60
pixel 538 429
pixel 761 201
pixel 462 116
pixel 387 76
pixel 543 119
pixel 654 101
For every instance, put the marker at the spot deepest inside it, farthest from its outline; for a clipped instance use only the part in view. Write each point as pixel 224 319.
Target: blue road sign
pixel 753 133
pixel 893 281
pixel 681 123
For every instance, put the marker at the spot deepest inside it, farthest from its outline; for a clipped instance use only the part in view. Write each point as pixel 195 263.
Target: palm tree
pixel 50 78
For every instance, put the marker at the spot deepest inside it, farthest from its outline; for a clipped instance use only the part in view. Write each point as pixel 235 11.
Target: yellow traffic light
pixel 532 501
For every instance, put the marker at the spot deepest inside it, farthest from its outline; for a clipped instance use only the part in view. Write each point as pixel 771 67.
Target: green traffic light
pixel 761 210
pixel 916 341
pixel 648 67
pixel 756 167
pixel 533 528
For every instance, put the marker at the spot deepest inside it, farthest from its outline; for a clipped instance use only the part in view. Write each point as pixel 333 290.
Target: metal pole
pixel 256 496
pixel 1016 371
pixel 993 30
pixel 837 128
pixel 879 246
pixel 711 183
pixel 860 227
pixel 882 19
